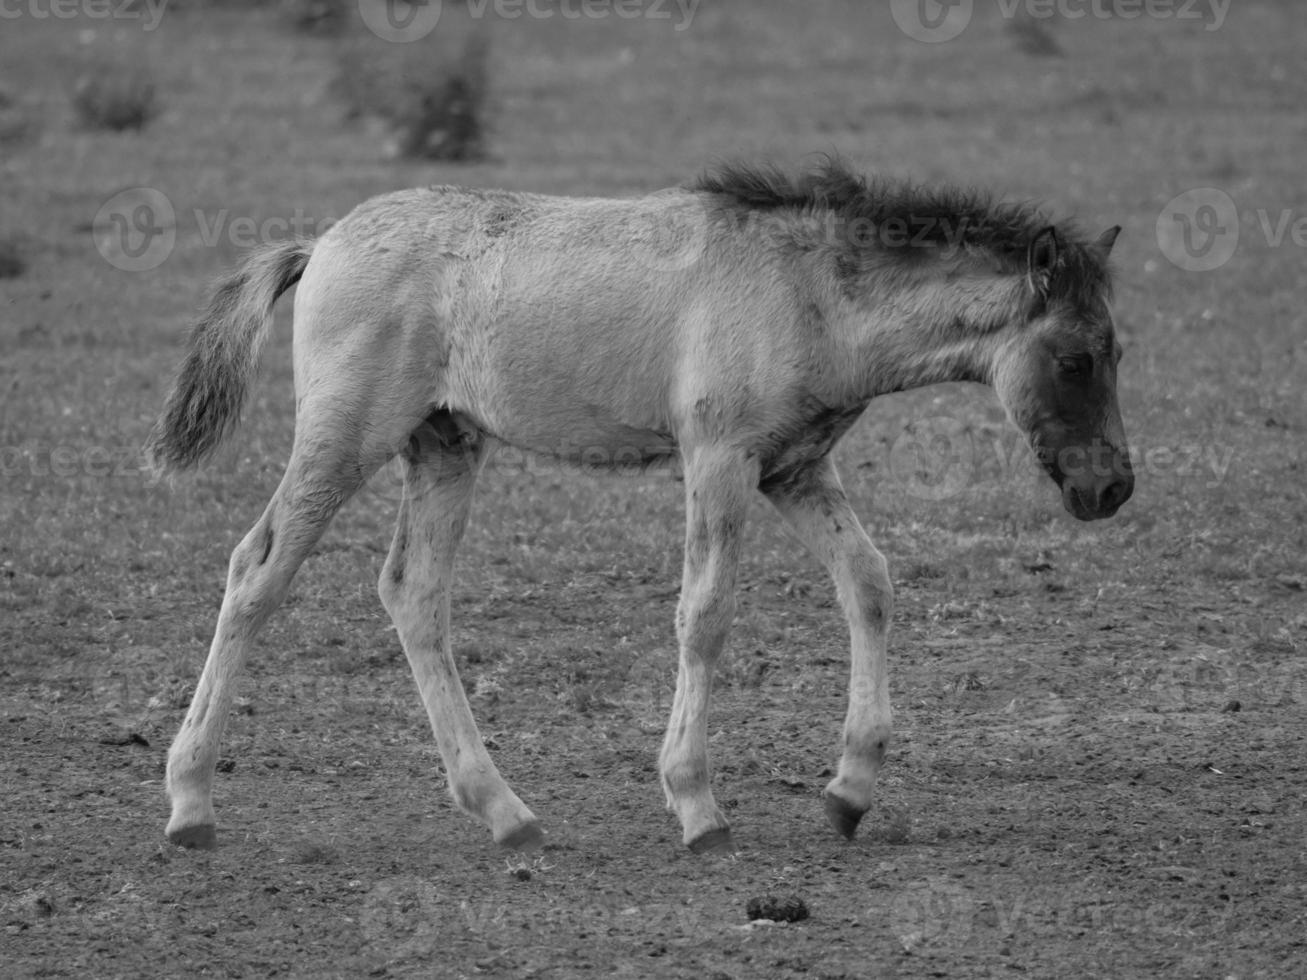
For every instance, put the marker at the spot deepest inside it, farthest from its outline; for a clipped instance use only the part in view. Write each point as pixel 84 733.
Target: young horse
pixel 743 322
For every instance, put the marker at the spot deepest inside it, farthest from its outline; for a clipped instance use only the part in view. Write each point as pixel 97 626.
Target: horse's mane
pixel 930 216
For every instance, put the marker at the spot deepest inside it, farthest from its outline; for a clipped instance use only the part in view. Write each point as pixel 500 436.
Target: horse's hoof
pixel 200 836
pixel 842 814
pixel 527 837
pixel 716 841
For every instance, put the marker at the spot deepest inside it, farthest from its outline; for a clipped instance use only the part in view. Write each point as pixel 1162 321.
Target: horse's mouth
pixel 1096 504
pixel 1096 499
pixel 1083 513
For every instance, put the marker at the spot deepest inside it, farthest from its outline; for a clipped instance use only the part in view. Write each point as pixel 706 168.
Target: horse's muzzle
pixel 1097 492
pixel 1096 503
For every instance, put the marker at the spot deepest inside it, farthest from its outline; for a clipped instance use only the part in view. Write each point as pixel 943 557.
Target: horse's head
pixel 1056 375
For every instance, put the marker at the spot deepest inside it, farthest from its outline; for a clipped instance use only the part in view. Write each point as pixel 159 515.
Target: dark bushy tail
pixel 205 402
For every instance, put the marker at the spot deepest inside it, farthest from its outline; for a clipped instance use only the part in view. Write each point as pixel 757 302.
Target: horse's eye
pixel 1075 366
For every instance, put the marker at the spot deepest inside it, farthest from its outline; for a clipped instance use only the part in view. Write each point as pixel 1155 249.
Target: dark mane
pixel 907 220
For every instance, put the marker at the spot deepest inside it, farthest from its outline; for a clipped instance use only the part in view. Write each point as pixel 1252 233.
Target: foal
pixel 743 322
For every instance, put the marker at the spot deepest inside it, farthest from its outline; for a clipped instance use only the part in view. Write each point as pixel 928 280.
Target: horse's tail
pixel 205 402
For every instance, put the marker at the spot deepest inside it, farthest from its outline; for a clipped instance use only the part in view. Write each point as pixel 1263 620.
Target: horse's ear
pixel 1104 242
pixel 1041 260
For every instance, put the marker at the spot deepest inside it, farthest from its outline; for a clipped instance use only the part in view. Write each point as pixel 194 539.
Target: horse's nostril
pixel 1114 495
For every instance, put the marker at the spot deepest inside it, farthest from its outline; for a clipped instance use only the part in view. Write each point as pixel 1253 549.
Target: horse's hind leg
pixel 258 576
pixel 718 484
pixel 441 466
pixel 815 507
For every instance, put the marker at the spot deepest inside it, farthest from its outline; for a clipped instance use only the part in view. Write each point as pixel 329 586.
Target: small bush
pixel 11 259
pixel 445 122
pixel 322 17
pixel 358 83
pixel 115 96
pixel 435 114
pixel 15 122
pixel 1033 37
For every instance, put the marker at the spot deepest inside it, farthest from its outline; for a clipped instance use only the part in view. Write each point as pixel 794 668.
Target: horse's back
pixel 568 326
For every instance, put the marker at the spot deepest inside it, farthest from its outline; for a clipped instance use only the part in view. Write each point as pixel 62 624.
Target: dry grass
pixel 1033 36
pixel 16 122
pixel 11 258
pixel 115 96
pixel 446 120
pixel 324 18
pixel 433 94
pixel 1058 687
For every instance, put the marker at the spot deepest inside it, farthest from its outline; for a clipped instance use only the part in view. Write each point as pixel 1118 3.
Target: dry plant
pixel 432 95
pixel 115 95
pixel 1032 36
pixel 11 259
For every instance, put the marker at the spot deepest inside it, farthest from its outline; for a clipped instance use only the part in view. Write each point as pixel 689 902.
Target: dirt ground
pixel 1070 794
pixel 1098 765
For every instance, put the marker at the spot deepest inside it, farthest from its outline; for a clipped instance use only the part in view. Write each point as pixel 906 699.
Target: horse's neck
pixel 899 338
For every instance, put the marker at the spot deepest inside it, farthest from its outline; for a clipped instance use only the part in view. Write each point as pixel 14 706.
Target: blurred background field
pixel 1054 682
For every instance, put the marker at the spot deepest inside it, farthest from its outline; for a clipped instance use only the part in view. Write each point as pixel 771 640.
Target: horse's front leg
pixel 815 507
pixel 718 483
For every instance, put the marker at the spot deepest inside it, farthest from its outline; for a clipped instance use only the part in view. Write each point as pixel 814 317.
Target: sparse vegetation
pixel 1033 36
pixel 446 118
pixel 116 96
pixel 1069 791
pixel 326 18
pixel 11 259
pixel 434 97
pixel 15 121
